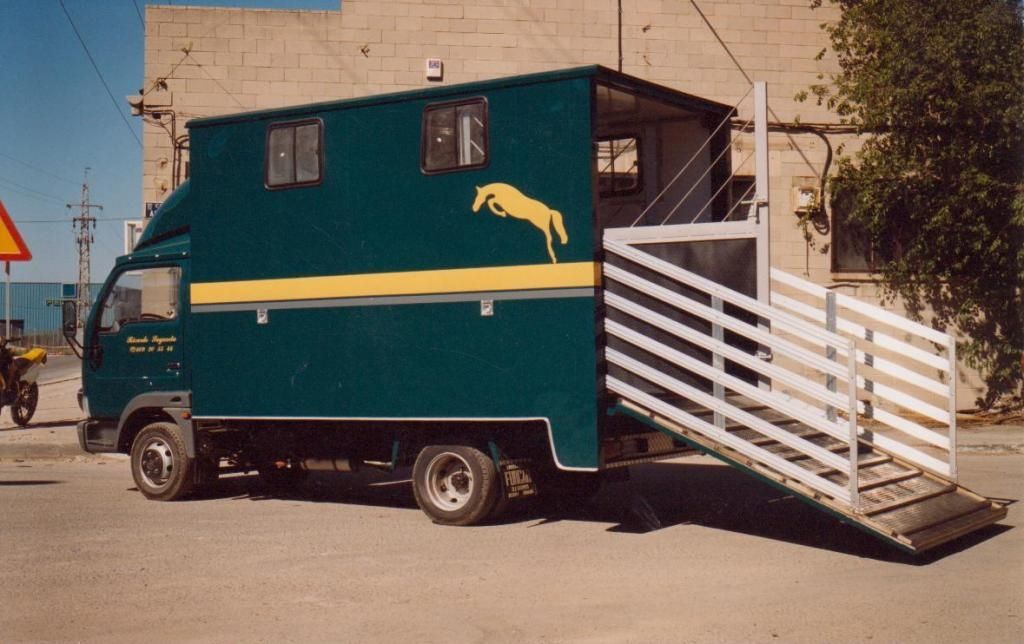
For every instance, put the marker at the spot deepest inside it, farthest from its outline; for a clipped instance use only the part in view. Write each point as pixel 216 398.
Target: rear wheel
pixel 455 484
pixel 160 465
pixel 24 406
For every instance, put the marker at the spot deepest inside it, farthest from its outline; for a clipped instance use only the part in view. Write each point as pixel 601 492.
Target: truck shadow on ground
pixel 656 496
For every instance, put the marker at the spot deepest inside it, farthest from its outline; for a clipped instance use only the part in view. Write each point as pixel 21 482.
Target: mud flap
pixel 517 479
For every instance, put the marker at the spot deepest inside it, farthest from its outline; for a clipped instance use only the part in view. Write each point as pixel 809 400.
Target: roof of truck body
pixel 621 81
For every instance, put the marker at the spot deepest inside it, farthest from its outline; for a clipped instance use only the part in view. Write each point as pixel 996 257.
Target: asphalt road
pixel 60 368
pixel 86 558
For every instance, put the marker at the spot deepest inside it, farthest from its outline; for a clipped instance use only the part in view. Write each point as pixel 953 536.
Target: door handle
pixel 173 366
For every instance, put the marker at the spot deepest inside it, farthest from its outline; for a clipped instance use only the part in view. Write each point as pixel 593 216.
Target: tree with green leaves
pixel 937 90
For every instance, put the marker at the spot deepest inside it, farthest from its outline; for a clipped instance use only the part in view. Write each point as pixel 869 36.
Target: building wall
pixel 221 60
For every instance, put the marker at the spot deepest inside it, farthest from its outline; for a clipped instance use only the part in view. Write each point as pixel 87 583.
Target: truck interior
pixel 658 159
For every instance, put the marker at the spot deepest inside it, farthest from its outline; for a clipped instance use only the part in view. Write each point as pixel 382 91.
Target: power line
pixel 799 150
pixel 38 169
pixel 100 74
pixel 64 221
pixel 224 89
pixel 29 195
pixel 162 80
pixel 141 20
pixel 721 42
pixel 30 192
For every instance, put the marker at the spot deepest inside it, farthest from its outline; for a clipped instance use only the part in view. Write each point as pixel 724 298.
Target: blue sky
pixel 56 119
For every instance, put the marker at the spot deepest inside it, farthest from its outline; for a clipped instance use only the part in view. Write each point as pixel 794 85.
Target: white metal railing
pixel 814 414
pixel 904 386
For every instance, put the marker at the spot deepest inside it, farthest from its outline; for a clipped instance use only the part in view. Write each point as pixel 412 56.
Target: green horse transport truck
pixel 514 286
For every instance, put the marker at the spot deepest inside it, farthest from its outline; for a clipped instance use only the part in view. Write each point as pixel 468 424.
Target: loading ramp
pixel 793 394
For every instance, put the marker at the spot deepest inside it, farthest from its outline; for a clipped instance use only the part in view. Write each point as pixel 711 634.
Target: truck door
pixel 138 338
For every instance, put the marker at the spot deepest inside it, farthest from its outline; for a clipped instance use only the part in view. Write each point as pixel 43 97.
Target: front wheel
pixel 161 467
pixel 455 484
pixel 24 406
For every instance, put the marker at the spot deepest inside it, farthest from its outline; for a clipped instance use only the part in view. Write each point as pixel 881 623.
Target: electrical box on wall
pixel 805 199
pixel 435 69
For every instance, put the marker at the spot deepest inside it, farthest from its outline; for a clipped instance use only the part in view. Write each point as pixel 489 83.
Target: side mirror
pixel 69 319
pixel 69 326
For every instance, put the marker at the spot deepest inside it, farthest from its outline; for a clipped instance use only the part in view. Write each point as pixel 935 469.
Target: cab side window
pixel 147 295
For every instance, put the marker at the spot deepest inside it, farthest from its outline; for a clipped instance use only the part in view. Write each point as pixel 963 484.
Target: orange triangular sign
pixel 12 246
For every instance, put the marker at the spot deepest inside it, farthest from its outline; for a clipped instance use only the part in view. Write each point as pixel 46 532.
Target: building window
pixel 294 154
pixel 147 295
pixel 454 136
pixel 618 166
pixel 851 250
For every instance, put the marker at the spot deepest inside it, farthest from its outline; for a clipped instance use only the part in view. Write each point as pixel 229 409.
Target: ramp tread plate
pixel 875 474
pixel 770 415
pixel 792 426
pixel 757 438
pixel 823 441
pixel 881 499
pixel 735 400
pixel 949 530
pixel 930 512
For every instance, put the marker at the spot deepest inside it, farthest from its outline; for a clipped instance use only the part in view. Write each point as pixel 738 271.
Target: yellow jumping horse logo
pixel 506 201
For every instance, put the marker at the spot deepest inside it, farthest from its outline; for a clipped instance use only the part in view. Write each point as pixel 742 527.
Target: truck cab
pixel 134 358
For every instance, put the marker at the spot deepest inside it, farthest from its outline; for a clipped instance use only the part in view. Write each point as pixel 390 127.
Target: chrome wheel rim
pixel 449 481
pixel 156 463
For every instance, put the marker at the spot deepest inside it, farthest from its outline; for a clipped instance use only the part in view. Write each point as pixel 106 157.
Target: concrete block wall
pixel 244 59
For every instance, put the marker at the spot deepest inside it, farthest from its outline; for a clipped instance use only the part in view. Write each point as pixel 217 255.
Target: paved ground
pixel 60 368
pixel 86 558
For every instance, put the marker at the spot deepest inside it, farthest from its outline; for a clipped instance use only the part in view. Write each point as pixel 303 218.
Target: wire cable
pixel 696 183
pixel 208 75
pixel 113 100
pixel 142 21
pixel 38 169
pixel 64 221
pixel 725 184
pixel 30 191
pixel 722 42
pixel 736 62
pixel 693 158
pixel 162 80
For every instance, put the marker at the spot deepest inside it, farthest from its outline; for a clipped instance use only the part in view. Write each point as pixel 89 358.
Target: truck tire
pixel 455 484
pixel 25 404
pixel 160 465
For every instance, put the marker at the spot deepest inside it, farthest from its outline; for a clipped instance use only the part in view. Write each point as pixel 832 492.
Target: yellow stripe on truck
pixel 453 280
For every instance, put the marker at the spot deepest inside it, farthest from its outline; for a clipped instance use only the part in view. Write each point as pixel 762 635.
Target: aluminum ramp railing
pixel 680 353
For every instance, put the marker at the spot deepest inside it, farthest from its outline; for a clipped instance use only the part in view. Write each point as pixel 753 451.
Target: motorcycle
pixel 19 370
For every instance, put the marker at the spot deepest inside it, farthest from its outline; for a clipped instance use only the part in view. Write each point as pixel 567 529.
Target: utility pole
pixel 83 226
